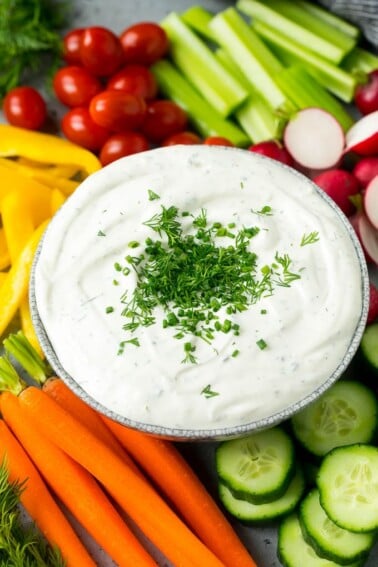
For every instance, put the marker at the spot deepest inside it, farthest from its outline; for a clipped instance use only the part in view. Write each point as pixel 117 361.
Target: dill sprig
pixel 21 545
pixel 310 238
pixel 28 30
pixel 192 277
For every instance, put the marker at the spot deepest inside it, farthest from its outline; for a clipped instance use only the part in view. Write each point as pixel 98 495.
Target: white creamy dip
pixel 306 327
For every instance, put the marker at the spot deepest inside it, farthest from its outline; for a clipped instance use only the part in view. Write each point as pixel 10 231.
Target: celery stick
pixel 329 17
pixel 197 62
pixel 335 79
pixel 203 117
pixel 250 54
pixel 293 31
pixel 198 18
pixel 360 60
pixel 305 91
pixel 296 11
pixel 255 116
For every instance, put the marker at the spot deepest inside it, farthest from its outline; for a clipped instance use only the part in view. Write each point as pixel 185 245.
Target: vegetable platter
pixel 209 463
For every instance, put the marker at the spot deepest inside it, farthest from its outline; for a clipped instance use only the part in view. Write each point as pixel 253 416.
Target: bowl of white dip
pixel 199 292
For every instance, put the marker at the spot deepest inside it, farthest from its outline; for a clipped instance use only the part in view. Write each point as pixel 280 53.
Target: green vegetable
pixel 324 15
pixel 28 32
pixel 198 18
pixel 360 61
pixel 21 545
pixel 202 115
pixel 192 278
pixel 198 63
pixel 332 47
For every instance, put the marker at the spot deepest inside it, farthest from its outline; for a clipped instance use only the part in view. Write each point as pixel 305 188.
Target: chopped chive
pixel 109 309
pixel 235 353
pixel 152 196
pixel 261 344
pixel 133 244
pixel 118 267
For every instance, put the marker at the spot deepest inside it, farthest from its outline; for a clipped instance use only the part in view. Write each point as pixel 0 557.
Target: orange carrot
pixel 76 488
pixel 176 479
pixel 138 499
pixel 40 504
pixel 60 392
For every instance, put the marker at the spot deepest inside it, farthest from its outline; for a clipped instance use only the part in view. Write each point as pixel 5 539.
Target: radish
pixel 371 201
pixel 367 235
pixel 314 138
pixel 366 95
pixel 340 185
pixel 373 305
pixel 362 137
pixel 366 169
pixel 274 150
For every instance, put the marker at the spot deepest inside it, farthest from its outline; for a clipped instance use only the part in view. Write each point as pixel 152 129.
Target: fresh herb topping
pixel 197 281
pixel 265 210
pixel 152 196
pixel 208 392
pixel 261 344
pixel 109 309
pixel 100 233
pixel 310 238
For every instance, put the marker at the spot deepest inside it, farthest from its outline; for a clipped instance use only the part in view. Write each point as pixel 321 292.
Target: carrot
pixel 175 478
pixel 39 503
pixel 57 389
pixel 76 488
pixel 138 499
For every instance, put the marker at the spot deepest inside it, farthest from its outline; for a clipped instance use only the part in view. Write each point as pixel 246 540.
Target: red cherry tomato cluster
pixel 112 95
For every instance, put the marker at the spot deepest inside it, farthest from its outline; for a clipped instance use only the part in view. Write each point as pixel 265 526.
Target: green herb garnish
pixel 152 196
pixel 265 210
pixel 208 392
pixel 199 284
pixel 261 344
pixel 310 238
pixel 109 309
pixel 100 233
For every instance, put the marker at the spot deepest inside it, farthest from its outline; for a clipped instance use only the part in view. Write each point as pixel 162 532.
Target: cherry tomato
pixel 100 51
pixel 134 79
pixel 186 138
pixel 144 43
pixel 118 111
pixel 78 126
pixel 25 107
pixel 217 141
pixel 163 118
pixel 75 86
pixel 71 46
pixel 121 145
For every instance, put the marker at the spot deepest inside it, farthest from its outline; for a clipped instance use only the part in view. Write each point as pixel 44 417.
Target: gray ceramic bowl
pixel 219 432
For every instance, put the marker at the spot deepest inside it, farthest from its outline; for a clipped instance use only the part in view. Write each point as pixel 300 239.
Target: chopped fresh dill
pixel 152 196
pixel 208 392
pixel 263 311
pixel 115 282
pixel 109 309
pixel 310 238
pixel 133 244
pixel 199 284
pixel 261 344
pixel 235 353
pixel 265 210
pixel 101 233
pixel 122 344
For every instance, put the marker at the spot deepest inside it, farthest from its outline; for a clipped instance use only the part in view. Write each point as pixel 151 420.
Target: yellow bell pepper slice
pixel 36 195
pixel 17 222
pixel 42 175
pixel 57 200
pixel 45 148
pixel 15 285
pixel 3 275
pixel 4 253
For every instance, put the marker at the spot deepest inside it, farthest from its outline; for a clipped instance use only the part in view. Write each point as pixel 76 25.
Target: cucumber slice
pixel 348 487
pixel 344 415
pixel 261 513
pixel 369 346
pixel 257 468
pixel 329 540
pixel 293 551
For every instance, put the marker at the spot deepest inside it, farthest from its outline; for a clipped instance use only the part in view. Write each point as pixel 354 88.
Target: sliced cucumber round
pixel 348 487
pixel 261 513
pixel 257 468
pixel 329 540
pixel 344 415
pixel 293 551
pixel 369 346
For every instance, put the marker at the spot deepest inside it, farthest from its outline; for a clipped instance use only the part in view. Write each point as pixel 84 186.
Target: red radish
pixel 366 169
pixel 273 149
pixel 340 185
pixel 362 137
pixel 314 138
pixel 367 235
pixel 373 305
pixel 366 96
pixel 371 201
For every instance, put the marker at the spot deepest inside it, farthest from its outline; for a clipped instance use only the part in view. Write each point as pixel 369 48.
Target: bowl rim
pixel 232 431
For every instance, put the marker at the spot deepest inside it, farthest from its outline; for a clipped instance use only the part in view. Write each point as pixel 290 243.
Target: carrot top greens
pixel 193 278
